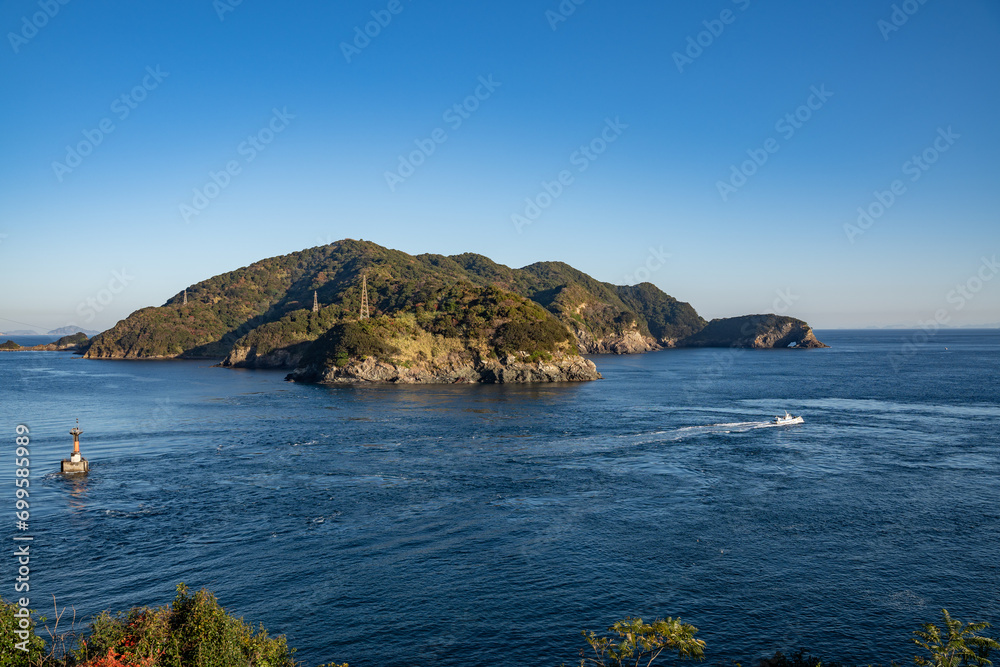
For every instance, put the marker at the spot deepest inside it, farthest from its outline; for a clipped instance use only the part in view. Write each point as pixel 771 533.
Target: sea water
pixel 489 525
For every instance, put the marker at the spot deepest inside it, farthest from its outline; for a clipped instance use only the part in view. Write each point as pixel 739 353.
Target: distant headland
pixel 353 311
pixel 61 331
pixel 74 343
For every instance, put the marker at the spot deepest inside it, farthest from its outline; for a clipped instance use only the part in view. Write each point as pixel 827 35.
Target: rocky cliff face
pixel 483 335
pixel 754 332
pixel 454 371
pixel 809 342
pixel 751 332
pixel 626 342
pixel 247 357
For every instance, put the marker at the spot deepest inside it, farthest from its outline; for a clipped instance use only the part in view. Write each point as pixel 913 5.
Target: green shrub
pixel 539 338
pixel 355 340
pixel 11 644
pixel 632 642
pixel 193 632
pixel 960 644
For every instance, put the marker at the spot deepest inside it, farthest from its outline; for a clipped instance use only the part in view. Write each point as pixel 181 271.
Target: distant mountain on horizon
pixel 72 329
pixel 61 331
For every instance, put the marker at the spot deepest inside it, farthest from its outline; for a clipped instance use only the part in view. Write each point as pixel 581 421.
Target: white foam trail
pixel 727 427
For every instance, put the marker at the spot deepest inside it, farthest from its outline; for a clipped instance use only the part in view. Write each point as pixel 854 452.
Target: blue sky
pixel 202 78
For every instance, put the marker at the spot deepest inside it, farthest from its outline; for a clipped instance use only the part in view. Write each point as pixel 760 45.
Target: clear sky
pixel 116 113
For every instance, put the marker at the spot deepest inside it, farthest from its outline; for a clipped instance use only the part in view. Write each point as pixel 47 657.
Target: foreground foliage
pixel 959 644
pixel 195 631
pixel 10 623
pixel 636 643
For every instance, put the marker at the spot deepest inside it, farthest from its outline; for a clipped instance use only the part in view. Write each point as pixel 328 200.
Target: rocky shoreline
pixel 627 342
pixel 507 371
pixel 472 367
pixel 752 332
pixel 284 357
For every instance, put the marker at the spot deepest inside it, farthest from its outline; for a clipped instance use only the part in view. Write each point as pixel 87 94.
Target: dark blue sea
pixel 489 525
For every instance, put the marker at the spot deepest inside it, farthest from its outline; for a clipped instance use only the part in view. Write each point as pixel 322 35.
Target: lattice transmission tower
pixel 364 296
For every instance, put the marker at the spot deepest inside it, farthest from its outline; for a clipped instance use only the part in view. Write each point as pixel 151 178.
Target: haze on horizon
pixel 832 163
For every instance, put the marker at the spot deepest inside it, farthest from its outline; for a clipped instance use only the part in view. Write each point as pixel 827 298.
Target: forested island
pixel 433 318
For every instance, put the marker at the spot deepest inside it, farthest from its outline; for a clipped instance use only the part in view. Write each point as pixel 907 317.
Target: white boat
pixel 787 419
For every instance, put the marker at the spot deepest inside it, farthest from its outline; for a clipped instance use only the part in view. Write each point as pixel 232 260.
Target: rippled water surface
pixel 488 525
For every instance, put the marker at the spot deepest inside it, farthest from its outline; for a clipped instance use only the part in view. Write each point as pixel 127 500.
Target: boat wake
pixel 729 427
